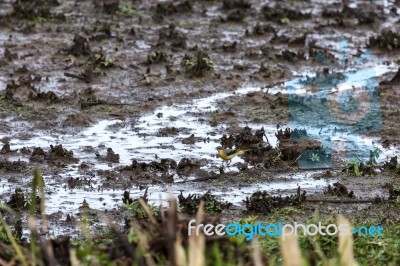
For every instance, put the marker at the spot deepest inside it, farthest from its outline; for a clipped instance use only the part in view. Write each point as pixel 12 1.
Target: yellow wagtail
pixel 229 154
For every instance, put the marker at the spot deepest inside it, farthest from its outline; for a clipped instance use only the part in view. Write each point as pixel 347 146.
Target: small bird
pixel 229 154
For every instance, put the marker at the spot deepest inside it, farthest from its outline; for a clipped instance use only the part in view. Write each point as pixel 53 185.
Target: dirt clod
pixel 59 153
pixel 391 165
pixel 279 14
pixel 198 67
pixel 262 202
pixel 32 9
pixel 80 46
pixel 17 201
pixel 388 40
pixel 168 8
pixel 110 6
pixel 5 149
pixel 189 140
pixel 394 192
pixel 186 166
pixel 339 190
pixel 38 155
pixel 112 156
pixel 190 204
pixel 233 4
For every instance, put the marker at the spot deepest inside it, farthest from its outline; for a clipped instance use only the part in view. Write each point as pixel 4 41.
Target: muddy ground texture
pixel 66 66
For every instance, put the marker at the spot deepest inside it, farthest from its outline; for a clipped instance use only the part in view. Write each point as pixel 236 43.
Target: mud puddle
pixel 260 46
pixel 279 184
pixel 141 140
pixel 132 140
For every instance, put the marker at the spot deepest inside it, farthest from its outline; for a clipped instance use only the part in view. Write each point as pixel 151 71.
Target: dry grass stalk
pixel 197 244
pixel 290 250
pixel 345 248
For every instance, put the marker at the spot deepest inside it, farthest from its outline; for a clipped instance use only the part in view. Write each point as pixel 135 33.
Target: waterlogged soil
pixel 106 98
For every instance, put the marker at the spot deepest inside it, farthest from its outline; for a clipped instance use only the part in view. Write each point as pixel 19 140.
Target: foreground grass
pixel 322 250
pixel 368 250
pixel 315 250
pixel 161 239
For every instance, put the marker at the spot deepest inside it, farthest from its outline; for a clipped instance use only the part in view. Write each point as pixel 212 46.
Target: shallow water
pixel 138 140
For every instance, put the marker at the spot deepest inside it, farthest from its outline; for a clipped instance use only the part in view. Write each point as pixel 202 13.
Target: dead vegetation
pixel 32 9
pixel 198 66
pixel 387 40
pixel 212 205
pixel 56 154
pixel 261 202
pixel 339 190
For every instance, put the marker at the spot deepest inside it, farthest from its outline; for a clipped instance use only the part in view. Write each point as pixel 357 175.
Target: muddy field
pixel 107 98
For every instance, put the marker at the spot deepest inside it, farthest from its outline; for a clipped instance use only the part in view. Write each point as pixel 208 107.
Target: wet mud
pixel 120 100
